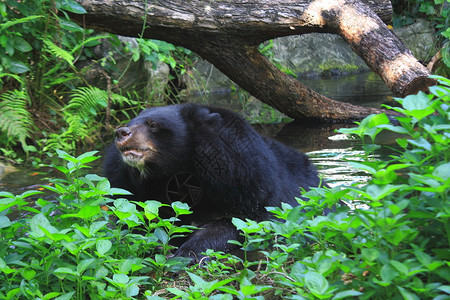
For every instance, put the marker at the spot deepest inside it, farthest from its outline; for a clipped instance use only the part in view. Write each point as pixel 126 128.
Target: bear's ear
pixel 202 115
pixel 213 119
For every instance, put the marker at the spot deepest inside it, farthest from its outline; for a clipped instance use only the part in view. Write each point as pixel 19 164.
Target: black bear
pixel 212 159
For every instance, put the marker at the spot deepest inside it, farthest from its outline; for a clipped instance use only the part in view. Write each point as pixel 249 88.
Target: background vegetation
pixel 46 101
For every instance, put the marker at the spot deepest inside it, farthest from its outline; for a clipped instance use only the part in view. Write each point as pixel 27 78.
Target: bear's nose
pixel 122 134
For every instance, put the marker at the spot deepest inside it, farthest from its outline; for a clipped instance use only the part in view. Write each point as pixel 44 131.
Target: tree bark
pixel 228 32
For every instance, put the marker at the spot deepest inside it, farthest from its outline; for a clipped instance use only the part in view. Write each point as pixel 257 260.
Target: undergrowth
pixel 46 99
pixel 392 244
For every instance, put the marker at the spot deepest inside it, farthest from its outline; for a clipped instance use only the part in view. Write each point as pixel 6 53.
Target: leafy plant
pixel 40 48
pixel 87 102
pixel 72 248
pixel 16 122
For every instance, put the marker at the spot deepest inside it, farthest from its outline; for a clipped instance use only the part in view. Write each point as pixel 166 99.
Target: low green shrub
pixel 390 242
pixel 70 248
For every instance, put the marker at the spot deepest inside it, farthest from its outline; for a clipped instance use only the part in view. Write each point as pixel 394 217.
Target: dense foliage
pixel 45 58
pixel 438 13
pixel 391 242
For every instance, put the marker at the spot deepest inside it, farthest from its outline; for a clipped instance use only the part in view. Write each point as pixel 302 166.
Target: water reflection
pixel 326 148
pixel 333 165
pixel 365 89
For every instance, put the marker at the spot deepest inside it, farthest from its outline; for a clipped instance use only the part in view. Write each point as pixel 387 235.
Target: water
pixel 365 89
pixel 327 149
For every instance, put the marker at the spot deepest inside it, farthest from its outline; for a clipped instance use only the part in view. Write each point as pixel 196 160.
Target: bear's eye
pixel 152 125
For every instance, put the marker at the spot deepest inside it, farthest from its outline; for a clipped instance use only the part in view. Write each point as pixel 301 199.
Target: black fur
pixel 240 171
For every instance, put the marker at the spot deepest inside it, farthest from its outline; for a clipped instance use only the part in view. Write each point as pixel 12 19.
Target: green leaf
pixel 70 26
pixel 29 193
pixel 324 265
pixel 181 208
pixel 362 166
pixel 71 6
pixel 121 278
pixel 96 226
pixel 161 235
pixel 20 44
pixel 118 191
pixel 160 259
pixel 346 295
pixel 28 274
pixel 247 288
pixel 399 266
pixel 445 51
pixel 416 102
pixel 198 280
pixel 396 208
pixel 40 221
pixel 17 67
pixel 444 288
pixel 442 171
pixel 87 157
pixel 65 270
pixel 407 295
pixel 132 290
pixel 397 129
pixel 84 264
pixel 66 296
pixel 388 273
pixel 239 223
pixel 377 192
pixel 66 156
pixel 104 185
pixel 316 283
pixel 103 246
pixel 417 106
pixel 151 209
pixel 8 24
pixel 370 254
pixel 88 212
pixel 4 222
pixel 421 143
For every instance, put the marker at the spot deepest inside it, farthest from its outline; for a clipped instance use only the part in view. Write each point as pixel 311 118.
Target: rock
pixel 419 38
pixel 317 54
pixel 6 169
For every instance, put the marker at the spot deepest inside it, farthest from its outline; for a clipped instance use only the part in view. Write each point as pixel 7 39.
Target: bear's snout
pixel 123 134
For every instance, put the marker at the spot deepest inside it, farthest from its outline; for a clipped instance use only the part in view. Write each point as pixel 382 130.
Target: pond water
pixel 327 149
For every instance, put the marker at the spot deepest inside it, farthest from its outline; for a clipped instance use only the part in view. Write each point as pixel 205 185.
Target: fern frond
pixel 76 131
pixel 16 121
pixel 87 41
pixel 8 24
pixel 88 101
pixel 58 52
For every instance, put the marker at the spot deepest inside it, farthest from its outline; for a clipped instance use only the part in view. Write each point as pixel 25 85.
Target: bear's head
pixel 156 142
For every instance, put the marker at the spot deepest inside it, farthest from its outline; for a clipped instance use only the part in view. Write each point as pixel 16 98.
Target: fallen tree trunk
pixel 228 32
